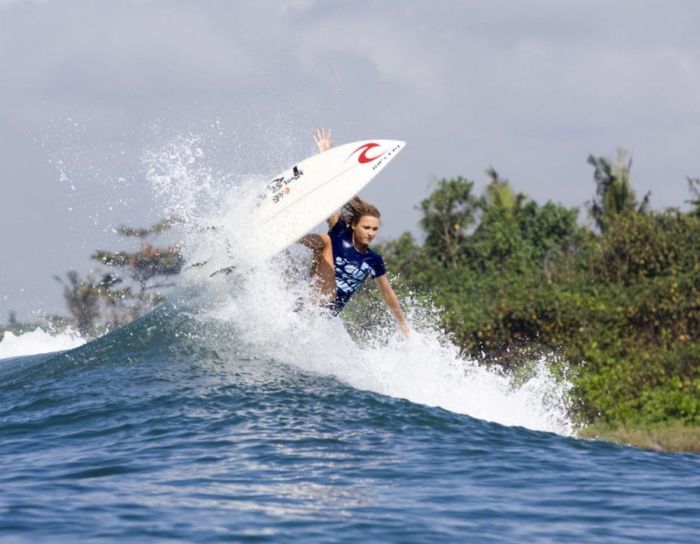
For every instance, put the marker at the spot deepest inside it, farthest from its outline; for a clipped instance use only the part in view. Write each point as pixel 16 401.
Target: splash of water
pixel 267 312
pixel 37 341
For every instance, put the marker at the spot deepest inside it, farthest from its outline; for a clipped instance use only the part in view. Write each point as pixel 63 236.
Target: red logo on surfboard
pixel 365 148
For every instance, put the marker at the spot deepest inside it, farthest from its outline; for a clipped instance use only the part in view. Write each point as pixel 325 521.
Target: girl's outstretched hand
pixel 323 139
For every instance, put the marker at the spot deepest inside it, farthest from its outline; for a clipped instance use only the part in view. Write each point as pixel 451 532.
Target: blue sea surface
pixel 148 434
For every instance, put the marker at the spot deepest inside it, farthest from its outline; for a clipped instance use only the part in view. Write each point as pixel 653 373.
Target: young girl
pixel 342 258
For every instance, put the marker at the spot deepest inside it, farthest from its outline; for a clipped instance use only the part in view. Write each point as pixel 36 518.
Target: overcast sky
pixel 88 88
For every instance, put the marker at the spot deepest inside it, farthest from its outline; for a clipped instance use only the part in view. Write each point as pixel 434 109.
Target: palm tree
pixel 694 186
pixel 499 194
pixel 614 193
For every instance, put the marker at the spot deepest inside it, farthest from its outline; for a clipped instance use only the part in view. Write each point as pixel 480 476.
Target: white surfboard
pixel 298 199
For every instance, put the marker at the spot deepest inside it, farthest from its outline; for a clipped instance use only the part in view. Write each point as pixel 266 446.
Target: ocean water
pixel 171 430
pixel 238 411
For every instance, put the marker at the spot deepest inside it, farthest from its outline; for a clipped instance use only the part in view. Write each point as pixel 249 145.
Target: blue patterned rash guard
pixel 352 267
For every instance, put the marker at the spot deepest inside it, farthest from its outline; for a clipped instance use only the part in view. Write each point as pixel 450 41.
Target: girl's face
pixel 365 230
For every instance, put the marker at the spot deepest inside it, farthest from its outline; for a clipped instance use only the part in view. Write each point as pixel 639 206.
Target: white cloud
pixel 286 6
pixel 388 44
pixel 11 3
pixel 183 42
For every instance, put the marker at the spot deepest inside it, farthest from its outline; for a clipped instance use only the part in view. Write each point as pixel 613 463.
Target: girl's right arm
pixel 312 241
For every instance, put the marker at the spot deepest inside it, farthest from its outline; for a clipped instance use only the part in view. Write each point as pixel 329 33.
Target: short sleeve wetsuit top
pixel 352 267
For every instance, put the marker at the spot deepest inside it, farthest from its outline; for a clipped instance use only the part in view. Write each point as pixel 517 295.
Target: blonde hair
pixel 356 208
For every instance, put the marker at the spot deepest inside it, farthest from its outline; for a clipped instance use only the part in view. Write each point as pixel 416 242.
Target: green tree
pixel 150 261
pixel 614 193
pixel 83 299
pixel 132 287
pixel 128 297
pixel 448 213
pixel 410 259
pixel 515 231
pixel 499 194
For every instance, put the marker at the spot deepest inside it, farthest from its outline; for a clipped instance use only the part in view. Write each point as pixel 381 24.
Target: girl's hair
pixel 356 208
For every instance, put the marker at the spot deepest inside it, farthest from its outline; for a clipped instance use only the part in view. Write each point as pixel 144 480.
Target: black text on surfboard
pixel 278 186
pixel 385 157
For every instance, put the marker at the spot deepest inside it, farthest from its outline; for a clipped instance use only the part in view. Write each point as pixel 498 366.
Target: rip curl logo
pixel 365 148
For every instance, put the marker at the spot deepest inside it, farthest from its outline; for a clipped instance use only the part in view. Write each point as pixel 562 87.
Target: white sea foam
pixel 427 369
pixel 261 310
pixel 37 341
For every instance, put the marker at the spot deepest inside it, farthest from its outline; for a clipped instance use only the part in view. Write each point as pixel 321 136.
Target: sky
pixel 89 89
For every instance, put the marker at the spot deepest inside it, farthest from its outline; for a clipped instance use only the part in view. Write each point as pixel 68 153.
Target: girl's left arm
pixel 323 139
pixel 393 302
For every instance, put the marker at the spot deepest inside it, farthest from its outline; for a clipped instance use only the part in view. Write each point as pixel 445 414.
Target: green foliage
pixel 499 193
pixel 638 247
pixel 621 306
pixel 145 264
pixel 522 237
pixel 675 436
pixel 694 186
pixel 83 299
pixel 128 290
pixel 448 213
pixel 158 228
pixel 614 193
pixel 410 259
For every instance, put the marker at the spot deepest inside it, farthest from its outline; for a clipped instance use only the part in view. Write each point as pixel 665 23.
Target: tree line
pixel 618 302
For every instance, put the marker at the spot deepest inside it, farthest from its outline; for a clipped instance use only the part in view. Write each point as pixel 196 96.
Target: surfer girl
pixel 342 258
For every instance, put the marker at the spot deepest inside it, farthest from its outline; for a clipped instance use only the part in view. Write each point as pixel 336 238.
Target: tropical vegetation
pixel 617 303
